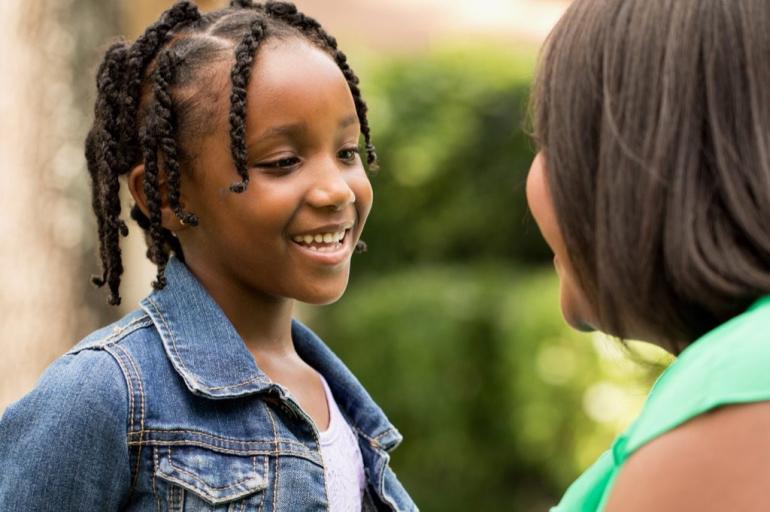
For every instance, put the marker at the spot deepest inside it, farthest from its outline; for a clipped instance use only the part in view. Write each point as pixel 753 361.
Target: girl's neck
pixel 263 322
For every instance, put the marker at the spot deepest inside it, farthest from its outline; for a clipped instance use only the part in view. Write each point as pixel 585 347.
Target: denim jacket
pixel 166 410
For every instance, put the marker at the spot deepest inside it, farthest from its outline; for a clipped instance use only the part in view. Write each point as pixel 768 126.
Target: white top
pixel 343 464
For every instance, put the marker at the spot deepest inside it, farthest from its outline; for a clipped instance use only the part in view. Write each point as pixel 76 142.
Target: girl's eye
pixel 348 154
pixel 281 163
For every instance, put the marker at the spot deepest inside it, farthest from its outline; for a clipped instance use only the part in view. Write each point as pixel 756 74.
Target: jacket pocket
pixel 193 479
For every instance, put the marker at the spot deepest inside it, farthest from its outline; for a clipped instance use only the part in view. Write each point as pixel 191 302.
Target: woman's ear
pixel 136 185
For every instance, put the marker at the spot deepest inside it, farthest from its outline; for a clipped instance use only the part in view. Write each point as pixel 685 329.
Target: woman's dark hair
pixel 653 117
pixel 149 105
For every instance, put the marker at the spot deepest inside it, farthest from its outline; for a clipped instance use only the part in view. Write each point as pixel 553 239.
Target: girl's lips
pixel 328 257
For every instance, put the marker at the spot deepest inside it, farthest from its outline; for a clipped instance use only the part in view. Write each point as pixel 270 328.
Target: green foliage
pixel 449 128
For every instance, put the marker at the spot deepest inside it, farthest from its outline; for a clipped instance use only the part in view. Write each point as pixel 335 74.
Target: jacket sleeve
pixel 63 447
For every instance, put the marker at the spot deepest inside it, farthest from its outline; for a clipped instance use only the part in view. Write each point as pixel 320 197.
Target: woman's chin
pixel 582 326
pixel 577 321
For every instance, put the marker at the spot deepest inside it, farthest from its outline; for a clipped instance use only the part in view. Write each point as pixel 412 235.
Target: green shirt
pixel 729 365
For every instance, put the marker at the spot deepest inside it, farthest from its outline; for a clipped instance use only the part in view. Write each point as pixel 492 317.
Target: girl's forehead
pixel 297 79
pixel 288 77
pixel 283 63
pixel 295 88
pixel 282 67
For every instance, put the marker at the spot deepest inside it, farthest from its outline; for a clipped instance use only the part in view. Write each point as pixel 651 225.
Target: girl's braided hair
pixel 147 105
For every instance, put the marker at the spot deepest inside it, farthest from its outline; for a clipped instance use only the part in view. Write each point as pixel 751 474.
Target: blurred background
pixel 451 319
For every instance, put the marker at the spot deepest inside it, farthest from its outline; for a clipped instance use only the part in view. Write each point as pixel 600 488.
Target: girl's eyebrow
pixel 348 120
pixel 284 130
pixel 292 129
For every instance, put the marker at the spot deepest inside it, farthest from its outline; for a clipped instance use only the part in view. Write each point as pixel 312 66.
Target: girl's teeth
pixel 330 248
pixel 325 238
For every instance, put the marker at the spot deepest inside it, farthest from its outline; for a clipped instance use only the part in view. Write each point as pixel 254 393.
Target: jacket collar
pixel 354 401
pixel 207 352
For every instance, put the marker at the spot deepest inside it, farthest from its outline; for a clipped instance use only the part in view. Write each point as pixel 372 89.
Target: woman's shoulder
pixel 704 429
pixel 719 460
pixel 727 366
pixel 131 326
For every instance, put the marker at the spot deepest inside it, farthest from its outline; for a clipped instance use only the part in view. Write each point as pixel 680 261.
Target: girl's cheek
pixel 364 193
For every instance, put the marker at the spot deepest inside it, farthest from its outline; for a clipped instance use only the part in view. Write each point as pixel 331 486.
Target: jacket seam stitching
pixel 297 447
pixel 116 336
pixel 389 430
pixel 266 473
pixel 132 412
pixel 129 385
pixel 250 380
pixel 281 440
pixel 276 446
pixel 246 453
pixel 371 440
pixel 133 364
pixel 154 479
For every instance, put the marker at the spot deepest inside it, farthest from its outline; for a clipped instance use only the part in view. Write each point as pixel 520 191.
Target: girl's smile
pixel 327 245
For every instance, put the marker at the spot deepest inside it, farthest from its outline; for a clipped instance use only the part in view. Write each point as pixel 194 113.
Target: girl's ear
pixel 136 185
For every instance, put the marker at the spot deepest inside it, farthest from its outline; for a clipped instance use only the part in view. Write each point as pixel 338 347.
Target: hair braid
pixel 103 156
pixel 159 138
pixel 149 139
pixel 288 13
pixel 143 52
pixel 244 58
pixel 171 241
pixel 361 107
pixel 95 149
pixel 166 125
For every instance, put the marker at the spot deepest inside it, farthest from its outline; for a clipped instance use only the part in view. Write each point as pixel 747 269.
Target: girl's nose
pixel 330 190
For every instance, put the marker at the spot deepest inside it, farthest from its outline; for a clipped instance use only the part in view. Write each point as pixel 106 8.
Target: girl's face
pixel 291 234
pixel 575 307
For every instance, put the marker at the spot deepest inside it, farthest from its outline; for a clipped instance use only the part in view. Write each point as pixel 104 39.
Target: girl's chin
pixel 322 296
pixel 320 301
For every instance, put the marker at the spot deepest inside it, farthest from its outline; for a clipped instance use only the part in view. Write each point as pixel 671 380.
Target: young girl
pixel 652 187
pixel 237 133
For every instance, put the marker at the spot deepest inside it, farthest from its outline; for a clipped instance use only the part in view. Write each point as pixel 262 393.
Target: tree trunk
pixel 47 77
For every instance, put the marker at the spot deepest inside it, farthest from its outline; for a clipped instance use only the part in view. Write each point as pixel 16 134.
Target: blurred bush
pixel 452 320
pixel 453 154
